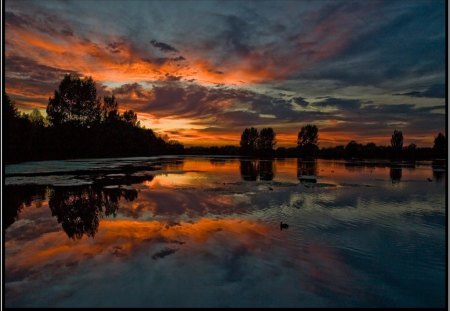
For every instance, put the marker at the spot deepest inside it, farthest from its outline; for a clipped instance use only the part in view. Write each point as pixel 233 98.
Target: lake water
pixel 205 232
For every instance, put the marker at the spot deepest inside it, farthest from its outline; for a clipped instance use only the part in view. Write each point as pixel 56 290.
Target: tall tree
pixel 440 146
pixel 266 141
pixel 307 140
pixel 9 111
pixel 75 102
pixel 130 117
pixel 397 143
pixel 109 109
pixel 249 141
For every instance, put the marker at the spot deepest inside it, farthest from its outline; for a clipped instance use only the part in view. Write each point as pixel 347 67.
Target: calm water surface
pixel 205 232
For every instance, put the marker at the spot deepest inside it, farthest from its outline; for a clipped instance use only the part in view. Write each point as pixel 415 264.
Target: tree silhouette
pixel 9 120
pixel 249 141
pixel 307 140
pixel 18 133
pixel 440 146
pixel 410 151
pixel 16 197
pixel 75 102
pixel 397 142
pixel 9 111
pixel 266 141
pixel 80 126
pixel 130 117
pixel 109 109
pixel 353 149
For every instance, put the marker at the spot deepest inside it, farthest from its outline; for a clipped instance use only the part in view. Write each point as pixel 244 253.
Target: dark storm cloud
pixel 236 35
pixel 162 60
pixel 376 119
pixel 115 47
pixel 266 104
pixel 173 78
pixel 232 109
pixel 434 91
pixel 26 67
pixel 215 129
pixel 411 119
pixel 156 60
pixel 31 81
pixel 42 21
pixel 16 19
pixel 382 52
pixel 300 101
pixel 235 107
pixel 131 89
pixel 197 101
pixel 191 101
pixel 178 58
pixel 239 118
pixel 163 46
pixel 29 90
pixel 406 110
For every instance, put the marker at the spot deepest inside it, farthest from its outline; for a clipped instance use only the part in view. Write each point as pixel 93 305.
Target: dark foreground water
pixel 205 232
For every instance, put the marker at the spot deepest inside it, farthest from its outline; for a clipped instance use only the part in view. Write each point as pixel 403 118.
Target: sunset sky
pixel 202 71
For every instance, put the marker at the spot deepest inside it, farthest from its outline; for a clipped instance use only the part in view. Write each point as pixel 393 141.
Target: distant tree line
pixel 79 124
pixel 251 144
pixel 255 144
pixel 396 151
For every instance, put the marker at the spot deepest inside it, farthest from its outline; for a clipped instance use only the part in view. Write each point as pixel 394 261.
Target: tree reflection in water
pixel 395 174
pixel 249 169
pixel 79 209
pixel 252 169
pixel 307 171
pixel 16 197
pixel 439 175
pixel 439 169
pixel 266 170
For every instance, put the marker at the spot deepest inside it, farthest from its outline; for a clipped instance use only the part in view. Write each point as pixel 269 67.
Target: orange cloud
pixel 128 64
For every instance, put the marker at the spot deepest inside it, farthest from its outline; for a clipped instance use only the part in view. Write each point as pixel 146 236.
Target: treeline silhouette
pixel 79 124
pixel 261 144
